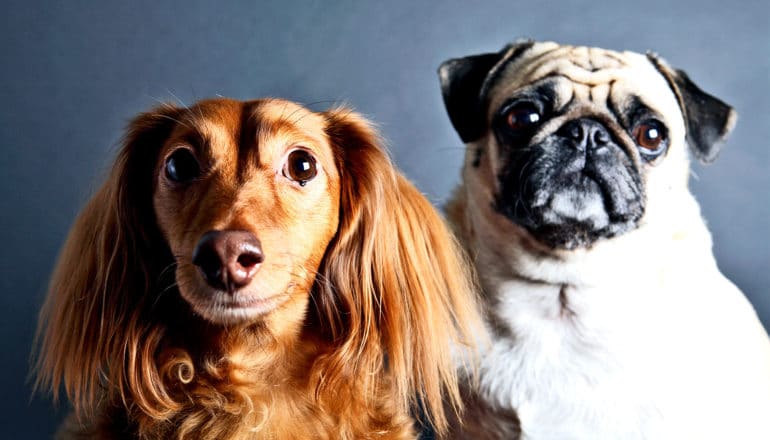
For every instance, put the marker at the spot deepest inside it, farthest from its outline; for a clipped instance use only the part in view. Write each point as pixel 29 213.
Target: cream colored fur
pixel 638 337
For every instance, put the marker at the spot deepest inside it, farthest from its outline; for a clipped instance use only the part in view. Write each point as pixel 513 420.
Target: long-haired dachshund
pixel 255 270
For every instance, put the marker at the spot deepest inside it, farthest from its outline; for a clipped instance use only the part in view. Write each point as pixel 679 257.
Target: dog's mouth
pixel 222 307
pixel 248 304
pixel 569 200
pixel 241 308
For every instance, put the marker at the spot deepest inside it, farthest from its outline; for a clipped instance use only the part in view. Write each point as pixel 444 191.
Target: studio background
pixel 73 73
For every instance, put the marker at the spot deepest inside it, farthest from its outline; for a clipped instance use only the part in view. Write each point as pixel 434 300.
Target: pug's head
pixel 573 143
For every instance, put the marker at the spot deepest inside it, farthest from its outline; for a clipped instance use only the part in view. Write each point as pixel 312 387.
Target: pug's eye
pixel 182 167
pixel 651 137
pixel 300 167
pixel 522 116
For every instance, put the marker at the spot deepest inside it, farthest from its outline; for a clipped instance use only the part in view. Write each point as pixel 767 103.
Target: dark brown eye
pixel 522 116
pixel 300 167
pixel 182 167
pixel 651 137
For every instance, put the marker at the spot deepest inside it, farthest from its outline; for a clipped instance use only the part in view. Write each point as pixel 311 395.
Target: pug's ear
pixel 708 119
pixel 464 85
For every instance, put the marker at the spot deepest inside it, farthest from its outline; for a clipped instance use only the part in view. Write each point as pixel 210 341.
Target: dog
pixel 608 314
pixel 255 270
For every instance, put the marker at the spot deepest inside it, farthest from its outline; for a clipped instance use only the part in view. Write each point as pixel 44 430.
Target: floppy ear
pixel 463 84
pixel 708 119
pixel 90 330
pixel 396 290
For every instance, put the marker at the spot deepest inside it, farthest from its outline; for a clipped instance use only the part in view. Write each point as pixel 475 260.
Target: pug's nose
pixel 228 260
pixel 585 134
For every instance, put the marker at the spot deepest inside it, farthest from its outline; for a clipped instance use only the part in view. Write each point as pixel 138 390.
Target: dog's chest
pixel 574 363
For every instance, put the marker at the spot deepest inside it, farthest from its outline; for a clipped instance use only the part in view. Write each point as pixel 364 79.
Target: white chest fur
pixel 675 354
pixel 570 370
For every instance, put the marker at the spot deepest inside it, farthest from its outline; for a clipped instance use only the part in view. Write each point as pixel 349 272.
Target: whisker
pixel 162 102
pixel 162 292
pixel 306 106
pixel 283 110
pixel 166 269
pixel 288 117
pixel 177 99
pixel 200 112
pixel 194 94
pixel 301 117
pixel 331 103
pixel 174 119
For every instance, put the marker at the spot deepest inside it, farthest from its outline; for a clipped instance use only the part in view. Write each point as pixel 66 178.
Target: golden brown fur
pixel 367 289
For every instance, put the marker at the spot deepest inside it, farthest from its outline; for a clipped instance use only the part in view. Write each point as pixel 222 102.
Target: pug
pixel 608 316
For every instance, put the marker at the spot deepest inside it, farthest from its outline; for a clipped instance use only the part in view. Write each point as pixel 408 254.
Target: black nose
pixel 228 260
pixel 585 134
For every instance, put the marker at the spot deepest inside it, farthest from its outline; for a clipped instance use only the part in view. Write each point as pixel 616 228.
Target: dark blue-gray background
pixel 74 72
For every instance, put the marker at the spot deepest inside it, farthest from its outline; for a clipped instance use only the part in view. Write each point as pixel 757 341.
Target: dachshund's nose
pixel 228 260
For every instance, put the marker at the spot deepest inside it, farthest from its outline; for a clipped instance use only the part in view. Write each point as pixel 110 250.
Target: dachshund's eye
pixel 182 167
pixel 300 167
pixel 522 116
pixel 651 137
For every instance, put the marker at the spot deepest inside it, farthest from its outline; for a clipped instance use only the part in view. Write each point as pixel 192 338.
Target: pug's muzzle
pixel 570 188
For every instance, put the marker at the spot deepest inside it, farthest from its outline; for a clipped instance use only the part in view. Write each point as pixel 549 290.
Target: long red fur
pixel 391 303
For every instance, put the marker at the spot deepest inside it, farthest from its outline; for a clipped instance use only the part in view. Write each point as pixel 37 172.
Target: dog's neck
pixel 266 366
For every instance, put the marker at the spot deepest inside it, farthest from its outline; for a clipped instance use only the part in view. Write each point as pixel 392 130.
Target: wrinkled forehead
pixel 585 75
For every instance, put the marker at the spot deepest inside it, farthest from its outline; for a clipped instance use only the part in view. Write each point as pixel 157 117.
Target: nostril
pixel 575 131
pixel 601 137
pixel 246 260
pixel 250 259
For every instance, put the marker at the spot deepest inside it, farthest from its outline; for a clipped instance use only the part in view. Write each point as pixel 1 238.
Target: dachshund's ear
pixel 708 119
pixel 87 332
pixel 395 283
pixel 463 85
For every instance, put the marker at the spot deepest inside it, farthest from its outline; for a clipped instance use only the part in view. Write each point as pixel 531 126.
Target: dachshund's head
pixel 262 216
pixel 247 197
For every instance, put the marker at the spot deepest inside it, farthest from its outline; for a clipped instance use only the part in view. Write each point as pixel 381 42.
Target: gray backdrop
pixel 74 72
